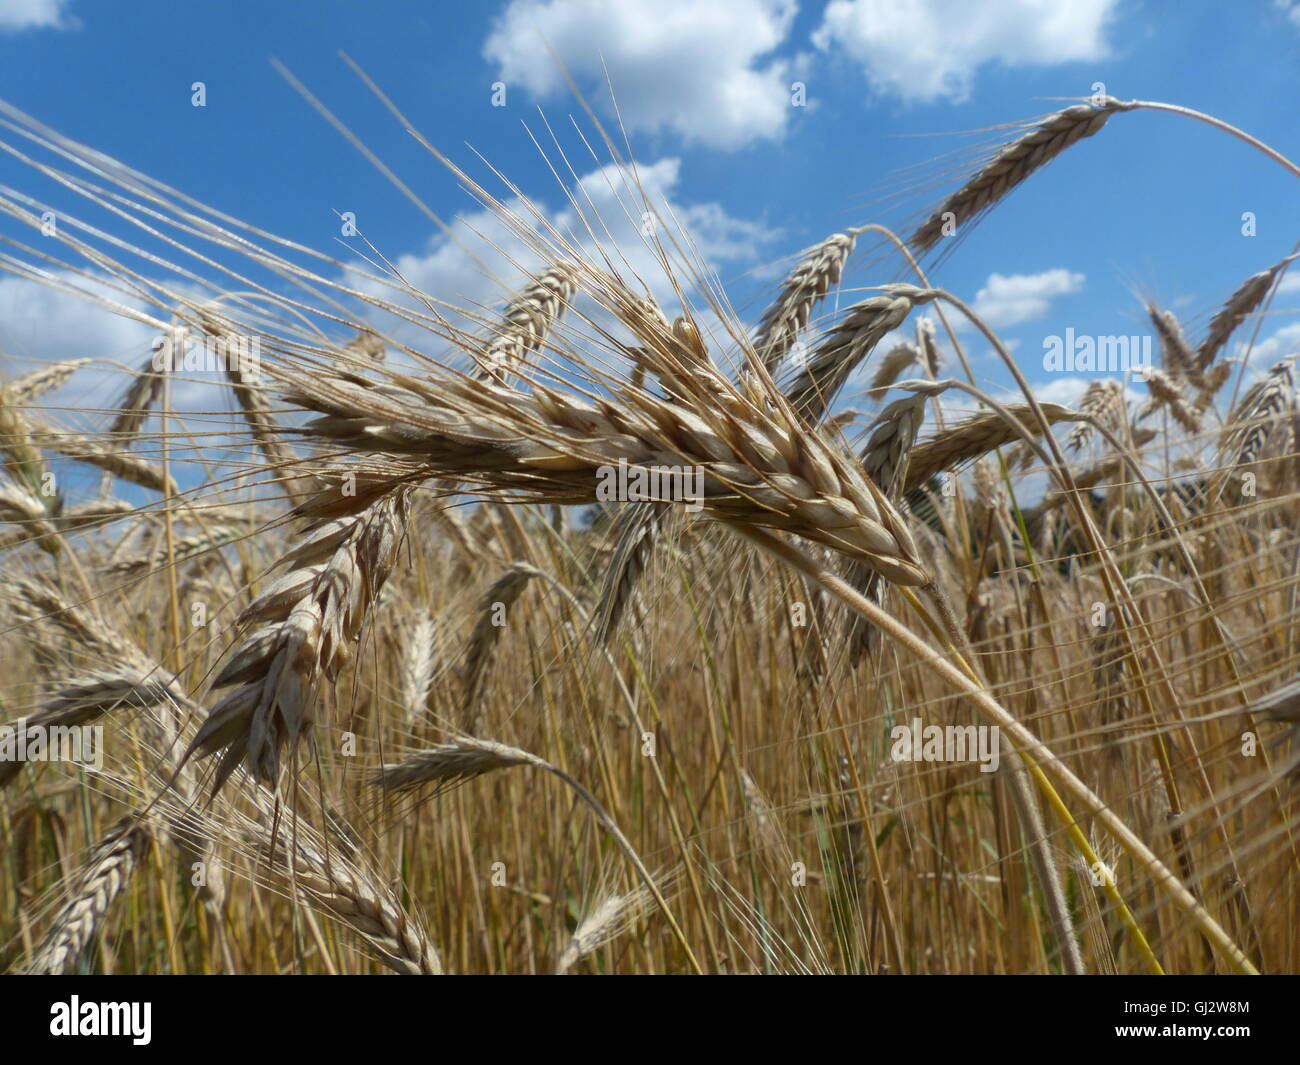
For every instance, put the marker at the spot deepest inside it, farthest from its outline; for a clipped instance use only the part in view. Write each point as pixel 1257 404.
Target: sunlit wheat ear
pixel 1259 424
pixel 1239 306
pixel 48 378
pixel 419 664
pixel 526 321
pixel 124 465
pixel 308 622
pixel 885 458
pixel 142 395
pixel 614 916
pixel 1166 395
pixel 1210 383
pixel 450 763
pixel 1103 401
pixel 825 369
pixel 351 891
pixel 805 287
pixel 637 530
pixel 89 696
pixel 1013 164
pixel 898 359
pixel 493 616
pixel 975 437
pixel 1177 357
pixel 758 466
pixel 105 875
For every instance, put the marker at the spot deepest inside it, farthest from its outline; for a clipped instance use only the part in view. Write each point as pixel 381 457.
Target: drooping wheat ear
pixel 418 666
pixel 975 437
pixel 1209 383
pixel 1260 419
pixel 124 465
pixel 466 757
pixel 527 319
pixel 308 621
pixel 352 892
pixel 1239 306
pixel 1166 395
pixel 141 397
pixel 899 358
pixel 48 378
pixel 818 269
pixel 494 610
pixel 183 549
pixel 759 466
pixel 367 344
pixel 90 695
pixel 32 517
pixel 602 925
pixel 829 364
pixel 1177 357
pixel 638 529
pixel 927 340
pixel 22 458
pixel 1104 401
pixel 1013 164
pixel 885 458
pixel 101 880
pixel 79 516
pixel 885 455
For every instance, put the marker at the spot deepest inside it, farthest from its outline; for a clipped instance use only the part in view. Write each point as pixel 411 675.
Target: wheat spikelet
pixel 975 437
pixel 526 321
pixel 1239 306
pixel 638 530
pixel 418 666
pixel 495 604
pixel 101 880
pixel 899 358
pixel 805 287
pixel 1103 401
pixel 606 922
pixel 308 621
pixel 829 364
pixel 48 378
pixel 1165 394
pixel 1013 164
pixel 1179 361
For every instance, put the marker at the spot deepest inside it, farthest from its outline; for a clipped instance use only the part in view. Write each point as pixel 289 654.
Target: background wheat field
pixel 390 680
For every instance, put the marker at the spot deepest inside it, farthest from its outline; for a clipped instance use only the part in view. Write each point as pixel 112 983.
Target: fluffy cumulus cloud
pixel 927 50
pixel 1009 299
pixel 33 14
pixel 609 212
pixel 701 70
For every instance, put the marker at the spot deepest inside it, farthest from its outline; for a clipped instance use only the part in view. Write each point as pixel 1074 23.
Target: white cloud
pixel 1291 280
pixel 1009 299
pixel 484 258
pixel 694 69
pixel 1285 342
pixel 927 50
pixel 32 14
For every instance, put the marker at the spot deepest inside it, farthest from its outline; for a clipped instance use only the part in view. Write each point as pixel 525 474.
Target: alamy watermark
pixel 78 744
pixel 180 350
pixel 663 484
pixel 77 1018
pixel 1075 353
pixel 947 743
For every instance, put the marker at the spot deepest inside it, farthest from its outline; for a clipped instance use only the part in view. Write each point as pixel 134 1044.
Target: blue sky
pixel 1151 207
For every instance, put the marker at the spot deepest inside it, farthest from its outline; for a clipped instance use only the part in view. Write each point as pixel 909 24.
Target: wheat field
pixel 390 678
